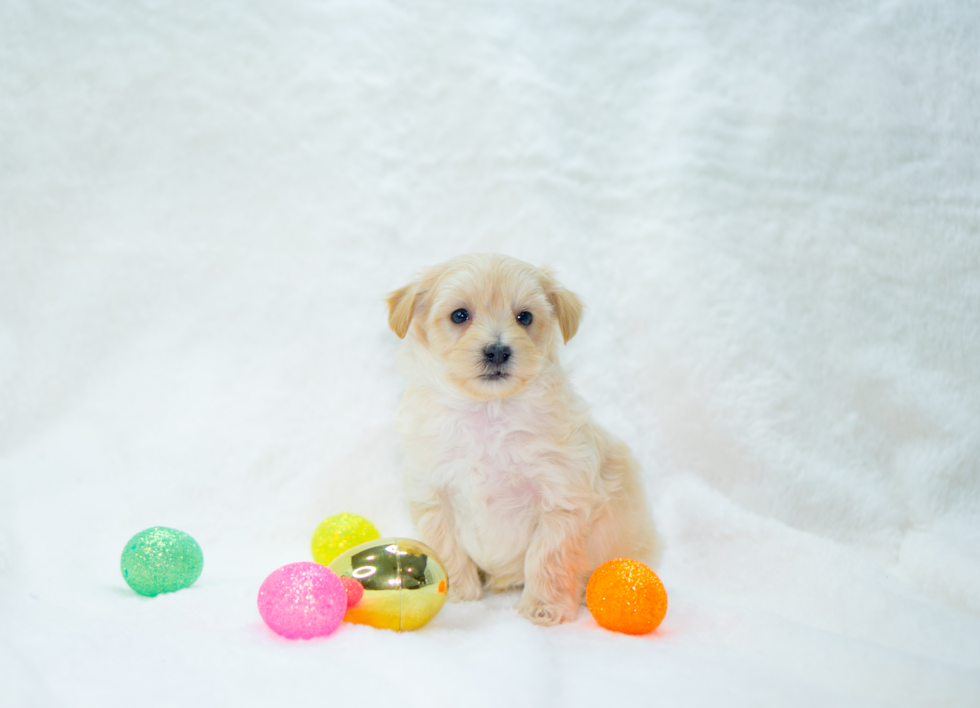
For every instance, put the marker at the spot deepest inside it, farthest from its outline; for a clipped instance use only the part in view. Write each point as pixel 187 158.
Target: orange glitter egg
pixel 626 596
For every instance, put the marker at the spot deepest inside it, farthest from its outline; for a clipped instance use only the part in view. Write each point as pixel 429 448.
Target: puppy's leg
pixel 622 528
pixel 435 525
pixel 555 568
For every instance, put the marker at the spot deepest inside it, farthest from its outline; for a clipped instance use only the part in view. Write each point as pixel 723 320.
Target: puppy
pixel 507 477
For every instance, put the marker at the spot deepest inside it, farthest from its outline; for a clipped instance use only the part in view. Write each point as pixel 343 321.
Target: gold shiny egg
pixel 404 583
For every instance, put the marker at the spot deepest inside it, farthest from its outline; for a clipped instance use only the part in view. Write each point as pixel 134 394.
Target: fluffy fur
pixel 507 477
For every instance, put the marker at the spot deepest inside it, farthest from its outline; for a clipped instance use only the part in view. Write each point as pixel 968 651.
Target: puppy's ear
pixel 568 309
pixel 401 309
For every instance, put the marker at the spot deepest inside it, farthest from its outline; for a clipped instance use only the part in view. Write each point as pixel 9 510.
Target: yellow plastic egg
pixel 404 583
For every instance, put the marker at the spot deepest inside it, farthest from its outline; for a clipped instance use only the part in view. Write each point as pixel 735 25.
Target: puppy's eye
pixel 460 316
pixel 525 318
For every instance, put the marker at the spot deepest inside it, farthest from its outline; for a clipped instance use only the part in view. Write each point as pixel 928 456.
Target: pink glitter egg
pixel 302 601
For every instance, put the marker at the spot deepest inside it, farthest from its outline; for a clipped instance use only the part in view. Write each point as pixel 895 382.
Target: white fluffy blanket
pixel 771 210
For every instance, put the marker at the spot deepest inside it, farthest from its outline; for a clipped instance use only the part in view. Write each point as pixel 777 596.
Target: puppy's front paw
pixel 545 614
pixel 466 585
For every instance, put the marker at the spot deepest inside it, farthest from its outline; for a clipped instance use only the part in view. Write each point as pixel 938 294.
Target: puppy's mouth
pixel 497 375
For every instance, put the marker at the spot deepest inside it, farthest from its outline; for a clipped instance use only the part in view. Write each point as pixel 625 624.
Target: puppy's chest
pixel 497 459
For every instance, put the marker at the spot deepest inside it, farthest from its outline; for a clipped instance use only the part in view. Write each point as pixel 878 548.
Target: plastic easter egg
pixel 626 596
pixel 302 600
pixel 337 533
pixel 404 583
pixel 161 559
pixel 355 591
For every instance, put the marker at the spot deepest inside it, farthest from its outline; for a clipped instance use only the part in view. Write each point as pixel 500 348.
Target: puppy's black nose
pixel 496 354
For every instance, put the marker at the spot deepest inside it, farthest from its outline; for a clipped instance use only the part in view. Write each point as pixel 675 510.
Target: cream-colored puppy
pixel 507 477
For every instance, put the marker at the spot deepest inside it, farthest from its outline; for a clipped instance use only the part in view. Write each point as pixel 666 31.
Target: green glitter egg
pixel 161 559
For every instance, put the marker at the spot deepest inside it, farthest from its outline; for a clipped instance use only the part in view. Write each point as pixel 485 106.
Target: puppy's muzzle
pixel 496 354
pixel 495 358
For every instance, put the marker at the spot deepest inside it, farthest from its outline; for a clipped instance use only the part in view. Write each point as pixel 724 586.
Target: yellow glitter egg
pixel 337 533
pixel 626 596
pixel 404 583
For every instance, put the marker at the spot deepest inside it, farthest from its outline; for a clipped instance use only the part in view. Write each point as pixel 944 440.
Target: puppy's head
pixel 492 322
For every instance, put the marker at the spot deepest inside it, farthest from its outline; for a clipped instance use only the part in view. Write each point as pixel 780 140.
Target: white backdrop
pixel 771 211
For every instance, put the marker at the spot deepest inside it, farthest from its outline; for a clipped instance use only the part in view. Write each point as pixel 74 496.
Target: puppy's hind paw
pixel 544 614
pixel 465 586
